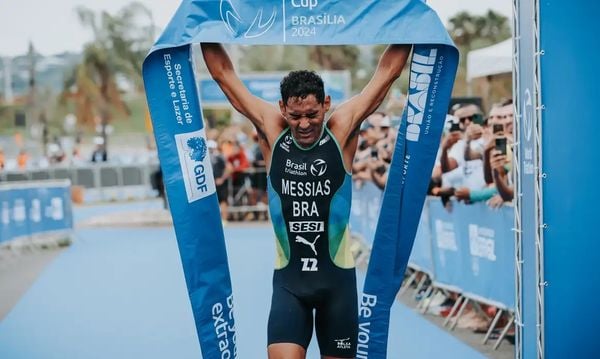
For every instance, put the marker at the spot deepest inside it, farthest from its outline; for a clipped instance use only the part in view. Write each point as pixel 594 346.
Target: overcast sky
pixel 53 26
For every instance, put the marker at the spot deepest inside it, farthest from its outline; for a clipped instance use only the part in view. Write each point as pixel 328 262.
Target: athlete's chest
pixel 306 172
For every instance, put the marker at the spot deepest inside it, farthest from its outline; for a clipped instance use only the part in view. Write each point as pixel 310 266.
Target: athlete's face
pixel 305 117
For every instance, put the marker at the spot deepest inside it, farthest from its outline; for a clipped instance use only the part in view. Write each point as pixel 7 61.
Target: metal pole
pixel 460 313
pixel 539 178
pixel 517 181
pixel 453 310
pixel 492 327
pixel 407 284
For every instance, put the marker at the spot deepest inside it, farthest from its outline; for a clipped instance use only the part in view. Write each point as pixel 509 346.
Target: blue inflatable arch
pixel 179 130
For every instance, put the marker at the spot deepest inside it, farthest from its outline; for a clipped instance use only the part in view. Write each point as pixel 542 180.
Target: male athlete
pixel 308 161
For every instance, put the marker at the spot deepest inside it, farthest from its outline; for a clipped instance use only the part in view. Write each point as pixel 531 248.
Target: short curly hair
pixel 302 83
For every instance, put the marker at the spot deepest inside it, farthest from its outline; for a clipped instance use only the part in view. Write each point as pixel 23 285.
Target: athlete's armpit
pixel 350 114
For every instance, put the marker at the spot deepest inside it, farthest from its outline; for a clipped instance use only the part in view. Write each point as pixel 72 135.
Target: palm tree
pixel 471 32
pixel 474 31
pixel 115 54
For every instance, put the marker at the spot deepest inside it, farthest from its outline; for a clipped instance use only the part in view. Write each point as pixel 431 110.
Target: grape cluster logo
pixel 195 164
pixel 198 148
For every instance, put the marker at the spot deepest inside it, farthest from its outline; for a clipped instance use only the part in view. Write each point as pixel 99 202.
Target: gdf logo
pixel 236 25
pixel 318 167
pixel 195 164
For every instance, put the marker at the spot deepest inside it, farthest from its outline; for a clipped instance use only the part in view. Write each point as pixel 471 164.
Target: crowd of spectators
pixel 475 156
pixel 239 172
pixel 375 148
pixel 474 159
pixel 473 164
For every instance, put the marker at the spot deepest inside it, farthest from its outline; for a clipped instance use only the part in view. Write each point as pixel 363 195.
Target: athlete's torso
pixel 309 201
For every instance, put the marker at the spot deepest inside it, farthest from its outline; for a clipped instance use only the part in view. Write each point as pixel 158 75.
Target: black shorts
pixel 335 317
pixel 222 192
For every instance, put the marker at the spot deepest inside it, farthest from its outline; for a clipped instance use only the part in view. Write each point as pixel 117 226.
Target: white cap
pixel 211 144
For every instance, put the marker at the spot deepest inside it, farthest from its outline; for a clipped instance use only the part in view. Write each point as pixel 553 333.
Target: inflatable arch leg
pixel 179 130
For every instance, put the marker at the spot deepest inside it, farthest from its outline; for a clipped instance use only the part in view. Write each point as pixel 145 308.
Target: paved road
pixel 120 293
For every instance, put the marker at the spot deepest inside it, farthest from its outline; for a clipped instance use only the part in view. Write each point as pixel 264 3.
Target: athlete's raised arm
pixel 254 108
pixel 350 114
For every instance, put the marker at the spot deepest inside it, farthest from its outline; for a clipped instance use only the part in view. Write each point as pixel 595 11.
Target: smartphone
pixel 501 144
pixel 374 153
pixel 497 128
pixel 362 145
pixel 455 127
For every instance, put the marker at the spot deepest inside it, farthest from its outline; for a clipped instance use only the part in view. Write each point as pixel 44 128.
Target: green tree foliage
pixel 114 56
pixel 471 32
pixel 341 57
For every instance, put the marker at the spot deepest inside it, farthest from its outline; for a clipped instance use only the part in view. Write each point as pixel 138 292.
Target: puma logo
pixel 303 240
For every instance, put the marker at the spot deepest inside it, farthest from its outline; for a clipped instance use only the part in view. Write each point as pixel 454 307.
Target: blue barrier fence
pixel 29 208
pixel 469 249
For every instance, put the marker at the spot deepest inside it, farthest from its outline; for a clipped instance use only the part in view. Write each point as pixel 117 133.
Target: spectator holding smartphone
pixel 499 161
pixel 452 157
pixel 497 126
pixel 370 133
pixel 473 179
pixel 501 155
pixel 381 162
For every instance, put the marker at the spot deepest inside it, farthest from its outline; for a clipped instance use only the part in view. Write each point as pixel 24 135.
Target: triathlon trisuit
pixel 309 201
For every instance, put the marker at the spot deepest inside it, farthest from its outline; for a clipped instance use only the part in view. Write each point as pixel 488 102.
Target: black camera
pixel 455 127
pixel 374 153
pixel 497 128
